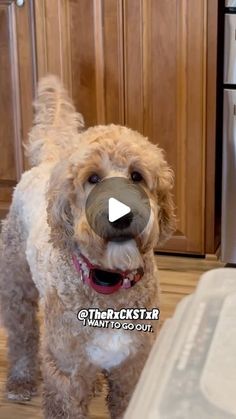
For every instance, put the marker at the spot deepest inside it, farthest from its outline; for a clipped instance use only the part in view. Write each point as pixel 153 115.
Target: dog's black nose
pixel 123 222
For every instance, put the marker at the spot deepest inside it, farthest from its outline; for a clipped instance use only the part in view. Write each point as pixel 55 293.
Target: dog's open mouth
pixel 105 282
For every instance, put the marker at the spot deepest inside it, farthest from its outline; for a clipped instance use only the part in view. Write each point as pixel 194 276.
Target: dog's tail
pixel 56 123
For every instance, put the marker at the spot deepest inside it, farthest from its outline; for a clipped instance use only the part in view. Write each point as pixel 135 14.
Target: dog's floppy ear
pixel 59 197
pixel 167 219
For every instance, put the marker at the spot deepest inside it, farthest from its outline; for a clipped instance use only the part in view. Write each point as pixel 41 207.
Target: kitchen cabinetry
pixel 17 83
pixel 148 64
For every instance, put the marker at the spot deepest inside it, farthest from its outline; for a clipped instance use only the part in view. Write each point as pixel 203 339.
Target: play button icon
pixel 116 209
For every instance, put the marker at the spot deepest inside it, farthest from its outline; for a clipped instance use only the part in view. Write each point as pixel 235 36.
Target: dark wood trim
pixel 16 91
pixel 27 69
pixel 32 28
pixel 211 188
pixel 9 183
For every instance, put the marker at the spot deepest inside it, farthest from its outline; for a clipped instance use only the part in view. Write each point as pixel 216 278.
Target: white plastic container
pixel 191 370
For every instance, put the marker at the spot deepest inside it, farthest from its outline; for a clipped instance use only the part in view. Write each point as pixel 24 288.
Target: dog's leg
pixel 122 381
pixel 18 303
pixel 66 395
pixel 68 377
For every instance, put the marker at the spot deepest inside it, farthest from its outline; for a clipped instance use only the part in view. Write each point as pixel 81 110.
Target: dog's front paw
pixel 21 389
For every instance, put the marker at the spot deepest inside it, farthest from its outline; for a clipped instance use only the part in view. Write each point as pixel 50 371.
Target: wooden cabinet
pixel 145 64
pixel 17 76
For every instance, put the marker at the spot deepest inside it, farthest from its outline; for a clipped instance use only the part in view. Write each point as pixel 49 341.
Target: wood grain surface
pixel 179 277
pixel 150 65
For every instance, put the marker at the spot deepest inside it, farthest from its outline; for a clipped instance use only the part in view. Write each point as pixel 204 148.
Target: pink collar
pixel 87 271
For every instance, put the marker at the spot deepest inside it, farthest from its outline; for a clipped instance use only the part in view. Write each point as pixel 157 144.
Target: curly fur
pixel 45 224
pixel 56 123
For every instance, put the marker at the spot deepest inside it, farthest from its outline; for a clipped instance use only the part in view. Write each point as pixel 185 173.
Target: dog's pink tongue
pixel 102 289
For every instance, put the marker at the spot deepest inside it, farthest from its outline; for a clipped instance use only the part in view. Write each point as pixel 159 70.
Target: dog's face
pixel 104 152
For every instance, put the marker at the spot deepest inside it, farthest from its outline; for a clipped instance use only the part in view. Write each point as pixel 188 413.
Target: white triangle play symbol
pixel 116 209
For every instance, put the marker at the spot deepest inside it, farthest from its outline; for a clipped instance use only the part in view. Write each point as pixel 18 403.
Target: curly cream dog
pixel 45 227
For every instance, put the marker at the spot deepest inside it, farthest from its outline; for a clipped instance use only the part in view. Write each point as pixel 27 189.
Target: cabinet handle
pixel 20 3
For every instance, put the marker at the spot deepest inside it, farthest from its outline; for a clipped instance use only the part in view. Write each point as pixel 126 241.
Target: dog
pixel 48 249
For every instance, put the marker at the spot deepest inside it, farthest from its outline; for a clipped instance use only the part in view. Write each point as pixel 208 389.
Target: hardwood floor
pixel 178 276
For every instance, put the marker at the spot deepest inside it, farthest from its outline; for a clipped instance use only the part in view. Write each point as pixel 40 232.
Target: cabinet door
pixel 141 63
pixel 16 92
pixel 82 42
pixel 165 50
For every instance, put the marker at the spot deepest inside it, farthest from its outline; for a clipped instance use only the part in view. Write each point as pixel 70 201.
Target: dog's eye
pixel 94 178
pixel 136 177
